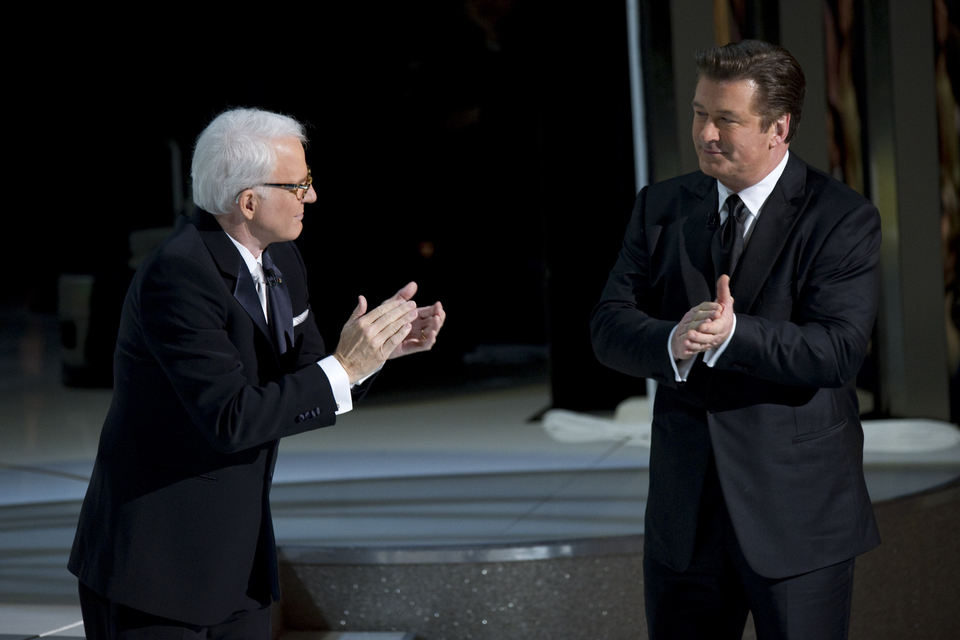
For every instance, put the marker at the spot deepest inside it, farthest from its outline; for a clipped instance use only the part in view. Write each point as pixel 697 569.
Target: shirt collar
pixel 253 264
pixel 754 196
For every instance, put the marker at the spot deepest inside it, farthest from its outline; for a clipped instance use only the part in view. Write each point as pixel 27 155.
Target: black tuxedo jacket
pixel 779 411
pixel 176 520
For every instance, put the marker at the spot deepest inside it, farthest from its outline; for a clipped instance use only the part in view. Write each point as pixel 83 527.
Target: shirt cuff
pixel 339 383
pixel 682 368
pixel 710 356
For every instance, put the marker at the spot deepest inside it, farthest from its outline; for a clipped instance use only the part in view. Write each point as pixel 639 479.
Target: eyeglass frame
pixel 298 190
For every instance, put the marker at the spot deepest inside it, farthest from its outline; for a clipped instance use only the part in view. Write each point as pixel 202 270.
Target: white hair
pixel 236 152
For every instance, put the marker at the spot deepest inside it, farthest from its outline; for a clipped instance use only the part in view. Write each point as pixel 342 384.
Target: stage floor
pixel 468 466
pixel 464 467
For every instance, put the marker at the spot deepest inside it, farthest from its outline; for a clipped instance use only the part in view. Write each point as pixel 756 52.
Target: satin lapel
pixel 281 309
pixel 232 268
pixel 696 264
pixel 780 212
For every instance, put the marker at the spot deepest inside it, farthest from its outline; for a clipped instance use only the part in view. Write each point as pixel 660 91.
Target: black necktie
pixel 729 246
pixel 278 302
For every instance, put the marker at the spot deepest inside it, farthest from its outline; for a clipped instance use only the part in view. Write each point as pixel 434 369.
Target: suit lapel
pixel 696 265
pixel 234 271
pixel 770 235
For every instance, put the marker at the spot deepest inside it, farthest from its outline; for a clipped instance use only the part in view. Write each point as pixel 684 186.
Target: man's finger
pixel 389 313
pixel 406 292
pixel 702 316
pixel 359 310
pixel 388 306
pixel 381 333
pixel 394 339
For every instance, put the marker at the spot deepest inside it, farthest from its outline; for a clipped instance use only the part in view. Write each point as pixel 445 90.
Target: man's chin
pixel 293 232
pixel 710 166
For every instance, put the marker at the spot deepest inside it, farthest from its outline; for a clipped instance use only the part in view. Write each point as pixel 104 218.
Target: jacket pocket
pixel 821 433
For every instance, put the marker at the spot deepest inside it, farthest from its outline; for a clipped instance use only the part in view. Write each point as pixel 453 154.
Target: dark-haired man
pixel 748 290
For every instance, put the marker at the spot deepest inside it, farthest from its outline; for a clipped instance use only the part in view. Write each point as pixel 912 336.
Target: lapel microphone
pixel 271 277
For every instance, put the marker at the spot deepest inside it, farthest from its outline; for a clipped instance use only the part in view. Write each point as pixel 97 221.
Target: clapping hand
pixel 393 329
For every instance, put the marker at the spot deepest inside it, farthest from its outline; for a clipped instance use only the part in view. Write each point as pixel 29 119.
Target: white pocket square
pixel 300 318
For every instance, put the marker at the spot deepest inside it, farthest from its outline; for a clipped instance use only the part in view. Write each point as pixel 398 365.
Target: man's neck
pixel 756 194
pixel 775 160
pixel 238 230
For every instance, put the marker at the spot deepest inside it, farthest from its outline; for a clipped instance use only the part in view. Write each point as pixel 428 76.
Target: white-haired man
pixel 218 356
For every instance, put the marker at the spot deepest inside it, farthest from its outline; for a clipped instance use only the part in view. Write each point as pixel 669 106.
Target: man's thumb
pixel 360 309
pixel 723 290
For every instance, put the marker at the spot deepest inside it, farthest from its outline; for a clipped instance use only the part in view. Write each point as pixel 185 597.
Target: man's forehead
pixel 734 95
pixel 288 144
pixel 290 155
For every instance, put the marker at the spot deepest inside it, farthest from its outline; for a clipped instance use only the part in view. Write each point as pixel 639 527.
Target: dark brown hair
pixel 777 74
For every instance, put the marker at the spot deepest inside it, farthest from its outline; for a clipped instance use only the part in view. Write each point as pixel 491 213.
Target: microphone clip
pixel 271 278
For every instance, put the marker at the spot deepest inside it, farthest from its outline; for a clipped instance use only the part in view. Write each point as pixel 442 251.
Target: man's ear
pixel 248 202
pixel 781 128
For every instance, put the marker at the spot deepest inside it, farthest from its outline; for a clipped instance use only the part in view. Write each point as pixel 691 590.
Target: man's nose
pixel 310 195
pixel 708 132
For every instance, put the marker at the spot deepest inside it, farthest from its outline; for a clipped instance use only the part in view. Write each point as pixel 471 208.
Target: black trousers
pixel 106 620
pixel 711 598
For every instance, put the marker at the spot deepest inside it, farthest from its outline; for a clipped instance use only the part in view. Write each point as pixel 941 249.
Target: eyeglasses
pixel 298 190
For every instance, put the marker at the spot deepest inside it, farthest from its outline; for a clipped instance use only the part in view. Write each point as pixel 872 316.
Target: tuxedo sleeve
pixel 185 323
pixel 831 301
pixel 626 334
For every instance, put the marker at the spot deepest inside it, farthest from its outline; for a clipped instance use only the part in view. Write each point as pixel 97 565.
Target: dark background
pixel 482 148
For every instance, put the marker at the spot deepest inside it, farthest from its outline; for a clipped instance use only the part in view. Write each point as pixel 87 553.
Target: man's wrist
pixel 711 356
